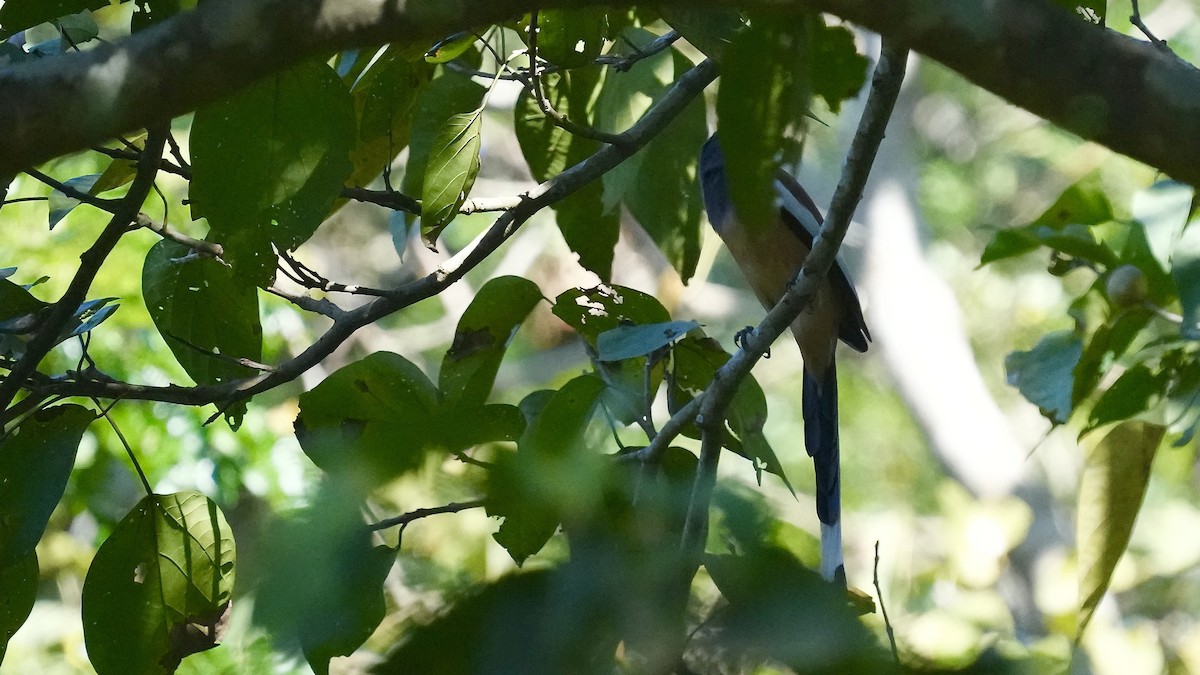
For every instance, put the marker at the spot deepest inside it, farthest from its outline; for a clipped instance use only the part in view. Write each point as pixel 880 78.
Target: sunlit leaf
pixel 447 95
pixel 450 172
pixel 1107 344
pixel 450 48
pixel 36 459
pixel 1163 210
pixel 1129 395
pixel 206 313
pixel 1114 481
pixel 1065 226
pixel 160 586
pixel 593 311
pixel 483 333
pixel 1045 374
pixel 269 162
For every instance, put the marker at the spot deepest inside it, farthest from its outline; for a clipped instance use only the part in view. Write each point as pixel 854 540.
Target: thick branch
pixel 1116 90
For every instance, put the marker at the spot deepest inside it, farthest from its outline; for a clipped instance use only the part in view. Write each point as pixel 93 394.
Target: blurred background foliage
pixel 968 576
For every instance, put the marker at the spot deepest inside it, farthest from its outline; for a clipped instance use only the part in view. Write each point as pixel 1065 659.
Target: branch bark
pixel 1110 88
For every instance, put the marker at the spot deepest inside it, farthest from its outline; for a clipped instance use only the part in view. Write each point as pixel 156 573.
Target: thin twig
pixel 554 190
pixel 1136 20
pixel 104 412
pixel 405 519
pixel 224 358
pixel 209 248
pixel 624 63
pixel 887 624
pixel 90 261
pixel 539 95
pixel 109 205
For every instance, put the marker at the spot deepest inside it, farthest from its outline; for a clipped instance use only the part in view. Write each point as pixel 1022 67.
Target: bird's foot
pixel 739 340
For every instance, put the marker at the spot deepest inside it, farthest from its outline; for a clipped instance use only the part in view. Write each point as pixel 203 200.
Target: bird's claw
pixel 739 340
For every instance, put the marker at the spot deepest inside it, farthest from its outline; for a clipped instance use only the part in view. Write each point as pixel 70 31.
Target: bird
pixel 769 258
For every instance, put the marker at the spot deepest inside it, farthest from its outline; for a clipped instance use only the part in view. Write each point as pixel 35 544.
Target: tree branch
pixel 1116 90
pixel 885 87
pixel 687 88
pixel 90 262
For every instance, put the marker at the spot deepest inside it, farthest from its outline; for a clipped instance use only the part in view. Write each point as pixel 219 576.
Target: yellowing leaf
pixel 1110 494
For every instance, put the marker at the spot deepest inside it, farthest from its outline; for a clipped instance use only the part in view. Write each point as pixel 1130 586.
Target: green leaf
pixel 839 71
pixel 592 311
pixel 571 38
pixel 15 300
pixel 589 229
pixel 1045 374
pixel 18 592
pixel 450 48
pixel 1065 226
pixel 447 95
pixel 765 88
pixel 159 588
pixel 627 342
pixel 450 173
pixel 1185 269
pixel 36 459
pixel 465 426
pixel 269 162
pixel 1131 394
pixel 483 333
pixel 371 420
pixel 385 102
pixel 207 314
pixel 552 477
pixel 320 578
pixel 1110 341
pixel 709 30
pixel 1163 210
pixel 60 204
pixel 1115 475
pixel 17 15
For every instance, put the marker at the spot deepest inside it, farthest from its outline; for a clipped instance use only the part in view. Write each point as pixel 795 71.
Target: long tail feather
pixel 820 408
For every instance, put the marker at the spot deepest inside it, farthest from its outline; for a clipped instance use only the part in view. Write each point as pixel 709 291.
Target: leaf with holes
pixel 159 588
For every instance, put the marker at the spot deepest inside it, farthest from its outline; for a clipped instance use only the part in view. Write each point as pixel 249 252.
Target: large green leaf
pixel 385 100
pixel 592 311
pixel 449 94
pixel 1129 395
pixel 269 162
pixel 1115 475
pixel 484 331
pixel 18 592
pixel 207 314
pixel 765 88
pixel 571 38
pixel 628 341
pixel 36 459
pixel 552 477
pixel 1065 227
pixel 1045 374
pixel 450 172
pixel 589 229
pixel 839 71
pixel 160 585
pixel 319 577
pixel 17 15
pixel 372 419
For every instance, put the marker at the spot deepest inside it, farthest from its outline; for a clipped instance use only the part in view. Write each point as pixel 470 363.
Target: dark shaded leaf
pixel 207 314
pixel 483 333
pixel 385 102
pixel 552 477
pixel 18 592
pixel 1115 475
pixel 159 588
pixel 269 162
pixel 1045 374
pixel 371 420
pixel 839 71
pixel 17 15
pixel 571 38
pixel 709 30
pixel 1131 394
pixel 1185 269
pixel 36 459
